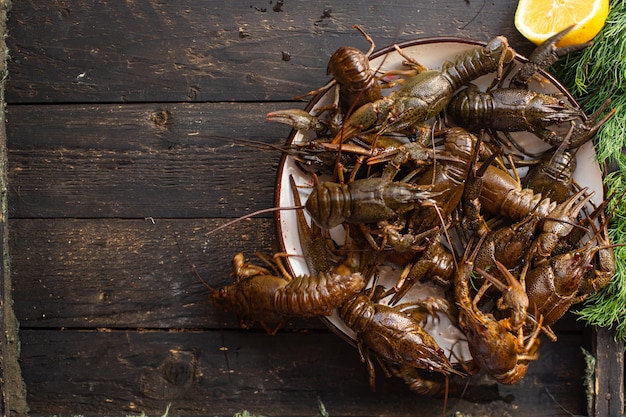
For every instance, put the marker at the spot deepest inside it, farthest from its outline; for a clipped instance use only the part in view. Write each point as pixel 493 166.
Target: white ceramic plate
pixel 431 52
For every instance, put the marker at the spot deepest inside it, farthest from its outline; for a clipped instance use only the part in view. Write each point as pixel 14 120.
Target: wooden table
pixel 124 122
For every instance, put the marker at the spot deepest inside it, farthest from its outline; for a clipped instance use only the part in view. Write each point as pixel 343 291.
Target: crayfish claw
pixel 296 118
pixel 585 131
pixel 545 55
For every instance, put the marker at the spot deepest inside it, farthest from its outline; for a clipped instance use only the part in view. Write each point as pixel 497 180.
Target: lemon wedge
pixel 537 20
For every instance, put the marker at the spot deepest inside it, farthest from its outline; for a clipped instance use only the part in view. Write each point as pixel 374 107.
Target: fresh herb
pixel 606 308
pixel 594 75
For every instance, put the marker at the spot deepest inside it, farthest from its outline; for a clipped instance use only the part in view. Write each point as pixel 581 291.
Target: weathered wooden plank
pixel 123 273
pixel 135 161
pixel 127 273
pixel 83 51
pixel 189 182
pixel 146 126
pixel 278 376
pixel 609 374
pixel 5 277
pixel 134 273
pixel 7 322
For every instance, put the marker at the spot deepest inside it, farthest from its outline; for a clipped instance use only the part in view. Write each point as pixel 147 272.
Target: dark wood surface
pixel 124 126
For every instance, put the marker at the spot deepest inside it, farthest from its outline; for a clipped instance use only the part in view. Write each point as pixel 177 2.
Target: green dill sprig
pixel 598 73
pixel 594 75
pixel 606 308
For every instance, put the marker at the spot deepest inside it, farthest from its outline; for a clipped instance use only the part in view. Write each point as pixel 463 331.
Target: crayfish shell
pixel 310 296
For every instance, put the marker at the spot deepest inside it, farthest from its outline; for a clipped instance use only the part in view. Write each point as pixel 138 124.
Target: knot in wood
pixel 178 369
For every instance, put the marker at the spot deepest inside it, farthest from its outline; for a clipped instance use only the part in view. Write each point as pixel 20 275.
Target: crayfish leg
pixel 367 38
pixel 410 62
pixel 278 256
pixel 322 89
pixel 364 354
pixel 243 269
pixel 472 219
pixel 480 293
pixel 400 283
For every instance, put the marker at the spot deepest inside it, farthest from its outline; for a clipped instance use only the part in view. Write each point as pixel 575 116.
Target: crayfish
pixel 259 295
pixel 421 191
pixel 495 346
pixel 517 108
pixel 427 93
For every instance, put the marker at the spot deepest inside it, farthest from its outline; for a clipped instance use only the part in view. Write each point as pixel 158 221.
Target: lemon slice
pixel 537 20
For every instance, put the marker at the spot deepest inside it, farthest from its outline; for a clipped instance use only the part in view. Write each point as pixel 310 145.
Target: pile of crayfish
pixel 420 169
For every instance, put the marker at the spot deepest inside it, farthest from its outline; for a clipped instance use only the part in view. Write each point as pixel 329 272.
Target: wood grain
pixel 126 273
pixel 132 162
pixel 127 130
pixel 80 51
pixel 609 371
pixel 282 375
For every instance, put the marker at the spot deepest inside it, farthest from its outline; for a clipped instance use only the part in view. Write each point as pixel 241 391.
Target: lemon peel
pixel 537 20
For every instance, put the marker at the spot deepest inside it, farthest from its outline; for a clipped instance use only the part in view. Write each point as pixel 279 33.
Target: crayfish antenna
pixel 194 269
pixel 250 215
pixel 214 291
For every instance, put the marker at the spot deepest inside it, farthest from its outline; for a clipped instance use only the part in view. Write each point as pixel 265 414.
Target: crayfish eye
pixel 223 293
pixel 577 256
pixel 562 103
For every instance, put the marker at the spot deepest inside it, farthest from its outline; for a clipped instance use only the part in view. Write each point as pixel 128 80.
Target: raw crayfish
pixel 394 336
pixel 518 108
pixel 426 94
pixel 356 82
pixel 258 295
pixel 495 348
pixel 532 256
